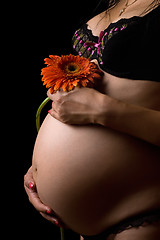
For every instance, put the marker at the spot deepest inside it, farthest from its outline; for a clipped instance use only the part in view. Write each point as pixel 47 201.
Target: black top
pixel 128 48
pixel 133 222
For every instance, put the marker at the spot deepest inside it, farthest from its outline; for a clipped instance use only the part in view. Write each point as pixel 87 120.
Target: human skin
pixel 131 108
pixel 63 152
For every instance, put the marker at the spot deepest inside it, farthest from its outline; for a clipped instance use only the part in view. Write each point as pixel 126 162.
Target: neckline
pixel 111 25
pixel 121 21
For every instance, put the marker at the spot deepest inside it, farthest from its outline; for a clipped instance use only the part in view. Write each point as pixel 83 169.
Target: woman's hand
pixel 31 191
pixel 79 106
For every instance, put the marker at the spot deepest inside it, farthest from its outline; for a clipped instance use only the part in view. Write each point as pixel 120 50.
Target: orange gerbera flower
pixel 69 72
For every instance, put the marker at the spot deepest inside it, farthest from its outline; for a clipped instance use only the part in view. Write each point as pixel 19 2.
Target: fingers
pixel 94 61
pixel 45 211
pixel 49 94
pixel 81 238
pixel 36 202
pixel 57 95
pixel 30 187
pixel 54 114
pixel 52 219
pixel 28 180
pixel 56 105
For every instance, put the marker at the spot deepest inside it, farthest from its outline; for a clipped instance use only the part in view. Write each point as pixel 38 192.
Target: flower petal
pixel 58 85
pixel 68 72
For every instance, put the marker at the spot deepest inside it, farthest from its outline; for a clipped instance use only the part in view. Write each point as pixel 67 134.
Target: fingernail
pixel 49 211
pixel 49 111
pixel 31 185
pixel 57 223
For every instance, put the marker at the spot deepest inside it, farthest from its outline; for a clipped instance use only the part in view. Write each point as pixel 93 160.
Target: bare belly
pixel 92 176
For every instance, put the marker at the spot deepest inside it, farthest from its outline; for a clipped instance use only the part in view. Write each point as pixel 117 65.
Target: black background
pixel 49 27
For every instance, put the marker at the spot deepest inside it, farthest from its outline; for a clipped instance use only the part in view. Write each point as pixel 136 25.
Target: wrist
pixel 106 110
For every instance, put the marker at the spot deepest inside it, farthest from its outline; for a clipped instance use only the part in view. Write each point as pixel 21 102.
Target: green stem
pixel 62 233
pixel 38 124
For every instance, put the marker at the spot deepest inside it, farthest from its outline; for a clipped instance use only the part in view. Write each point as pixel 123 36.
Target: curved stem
pixel 39 112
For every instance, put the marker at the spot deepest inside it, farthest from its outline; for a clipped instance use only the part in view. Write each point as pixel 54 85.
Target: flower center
pixel 72 68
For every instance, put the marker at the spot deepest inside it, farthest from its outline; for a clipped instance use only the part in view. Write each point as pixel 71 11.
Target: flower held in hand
pixel 69 72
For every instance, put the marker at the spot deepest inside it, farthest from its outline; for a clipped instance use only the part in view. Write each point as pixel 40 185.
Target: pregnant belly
pixel 84 172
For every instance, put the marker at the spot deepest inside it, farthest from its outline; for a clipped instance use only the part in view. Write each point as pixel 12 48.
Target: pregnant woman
pixel 96 160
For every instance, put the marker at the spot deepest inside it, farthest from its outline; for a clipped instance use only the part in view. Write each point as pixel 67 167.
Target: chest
pixel 125 48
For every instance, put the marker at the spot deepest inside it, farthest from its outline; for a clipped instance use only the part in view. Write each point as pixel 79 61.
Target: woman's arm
pixel 84 106
pixel 134 120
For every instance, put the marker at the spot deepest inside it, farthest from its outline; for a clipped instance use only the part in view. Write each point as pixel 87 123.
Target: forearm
pixel 131 119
